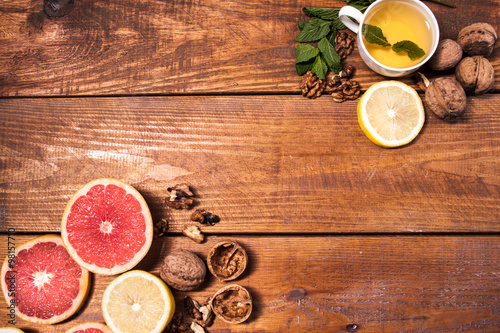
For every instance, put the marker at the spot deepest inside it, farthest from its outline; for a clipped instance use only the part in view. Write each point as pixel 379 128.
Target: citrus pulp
pixel 89 327
pixel 137 302
pixel 391 113
pixel 107 226
pixel 42 282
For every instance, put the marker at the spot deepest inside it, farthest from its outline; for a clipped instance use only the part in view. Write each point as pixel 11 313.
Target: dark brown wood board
pixel 338 230
pixel 324 283
pixel 175 47
pixel 274 164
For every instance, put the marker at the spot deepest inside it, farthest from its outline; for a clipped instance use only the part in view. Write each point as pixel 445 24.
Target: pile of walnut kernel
pixel 340 85
pixel 184 270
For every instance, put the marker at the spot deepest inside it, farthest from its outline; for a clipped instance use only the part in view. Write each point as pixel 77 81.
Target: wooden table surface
pixel 338 230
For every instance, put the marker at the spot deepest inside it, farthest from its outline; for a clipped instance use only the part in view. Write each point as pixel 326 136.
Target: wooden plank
pixel 174 47
pixel 269 164
pixel 321 284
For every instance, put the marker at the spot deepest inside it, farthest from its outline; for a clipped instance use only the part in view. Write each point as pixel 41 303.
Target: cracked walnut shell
pixel 475 74
pixel 227 260
pixel 183 270
pixel 232 304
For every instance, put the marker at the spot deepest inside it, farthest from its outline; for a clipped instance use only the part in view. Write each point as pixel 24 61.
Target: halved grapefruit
pixel 107 226
pixel 89 327
pixel 42 282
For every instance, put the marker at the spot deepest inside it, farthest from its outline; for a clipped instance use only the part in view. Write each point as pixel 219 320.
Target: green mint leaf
pixel 413 50
pixel 327 14
pixel 305 52
pixel 319 68
pixel 303 67
pixel 329 54
pixel 313 30
pixel 337 68
pixel 331 36
pixel 361 5
pixel 301 24
pixel 374 35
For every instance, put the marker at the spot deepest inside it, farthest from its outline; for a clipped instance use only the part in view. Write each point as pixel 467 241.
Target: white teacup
pixel 348 12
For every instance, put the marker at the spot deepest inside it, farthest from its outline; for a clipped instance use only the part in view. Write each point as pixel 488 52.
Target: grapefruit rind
pixel 117 269
pixel 164 291
pixel 77 301
pixel 87 325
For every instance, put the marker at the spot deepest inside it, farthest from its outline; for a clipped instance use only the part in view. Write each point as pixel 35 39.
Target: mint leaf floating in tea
pixel 330 56
pixel 413 50
pixel 305 52
pixel 313 30
pixel 374 35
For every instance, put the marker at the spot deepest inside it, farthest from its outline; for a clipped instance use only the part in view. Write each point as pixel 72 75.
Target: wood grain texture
pixel 175 47
pixel 279 164
pixel 321 284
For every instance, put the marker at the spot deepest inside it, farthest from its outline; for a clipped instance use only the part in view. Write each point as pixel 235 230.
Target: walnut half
pixel 232 304
pixel 227 260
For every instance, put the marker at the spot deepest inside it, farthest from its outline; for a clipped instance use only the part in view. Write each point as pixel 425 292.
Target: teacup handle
pixel 348 11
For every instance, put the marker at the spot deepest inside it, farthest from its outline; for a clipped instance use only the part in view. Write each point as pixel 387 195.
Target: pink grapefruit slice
pixel 107 227
pixel 89 327
pixel 42 283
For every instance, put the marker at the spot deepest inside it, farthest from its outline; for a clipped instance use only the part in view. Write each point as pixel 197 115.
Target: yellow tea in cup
pixel 399 21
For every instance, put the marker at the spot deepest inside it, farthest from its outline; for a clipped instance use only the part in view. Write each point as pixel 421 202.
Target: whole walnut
pixel 183 270
pixel 477 39
pixel 448 54
pixel 475 74
pixel 446 98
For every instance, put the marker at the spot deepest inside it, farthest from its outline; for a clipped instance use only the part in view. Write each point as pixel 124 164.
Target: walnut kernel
pixel 183 270
pixel 180 197
pixel 232 304
pixel 193 232
pixel 227 260
pixel 475 74
pixel 204 217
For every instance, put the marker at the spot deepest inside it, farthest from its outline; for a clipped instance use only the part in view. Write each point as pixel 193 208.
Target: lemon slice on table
pixel 137 302
pixel 391 113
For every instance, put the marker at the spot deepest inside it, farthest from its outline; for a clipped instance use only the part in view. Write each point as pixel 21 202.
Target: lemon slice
pixel 10 330
pixel 391 113
pixel 137 302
